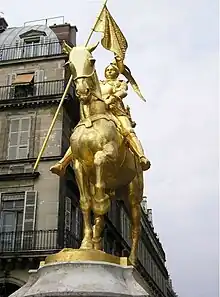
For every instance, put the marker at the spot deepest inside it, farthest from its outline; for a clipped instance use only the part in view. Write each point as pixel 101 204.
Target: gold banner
pixel 113 38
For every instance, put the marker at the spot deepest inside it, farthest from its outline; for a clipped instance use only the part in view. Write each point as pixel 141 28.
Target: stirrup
pixel 145 163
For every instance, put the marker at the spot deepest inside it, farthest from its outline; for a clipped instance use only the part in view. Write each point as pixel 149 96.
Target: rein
pixel 88 76
pixel 84 76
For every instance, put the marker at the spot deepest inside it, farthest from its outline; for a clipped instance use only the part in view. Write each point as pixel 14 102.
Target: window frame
pixel 19 132
pixel 31 47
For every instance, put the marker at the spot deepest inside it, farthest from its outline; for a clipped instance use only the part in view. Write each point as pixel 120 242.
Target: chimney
pixel 144 204
pixel 3 24
pixel 65 32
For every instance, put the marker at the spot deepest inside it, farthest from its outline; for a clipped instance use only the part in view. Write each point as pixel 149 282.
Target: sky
pixel 173 55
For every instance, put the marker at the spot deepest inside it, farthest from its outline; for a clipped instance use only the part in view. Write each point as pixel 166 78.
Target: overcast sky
pixel 173 54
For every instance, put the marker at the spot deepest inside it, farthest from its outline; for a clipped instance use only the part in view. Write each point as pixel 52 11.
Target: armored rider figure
pixel 113 91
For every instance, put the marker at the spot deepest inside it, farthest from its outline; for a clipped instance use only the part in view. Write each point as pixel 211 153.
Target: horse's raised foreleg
pixel 135 197
pixel 60 167
pixel 85 204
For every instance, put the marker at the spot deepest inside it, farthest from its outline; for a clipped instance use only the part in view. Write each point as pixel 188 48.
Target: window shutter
pixel 1 223
pixel 32 140
pixel 19 51
pixel 4 134
pixel 44 44
pixel 2 52
pixel 60 71
pixel 68 206
pixel 24 137
pixel 125 226
pixel 39 82
pixel 19 138
pixel 77 222
pixel 13 139
pixel 29 217
pixel 54 47
pixel 9 79
pixel 0 203
pixel 10 89
pixel 30 205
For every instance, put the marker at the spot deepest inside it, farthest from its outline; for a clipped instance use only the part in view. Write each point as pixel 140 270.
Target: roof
pixel 11 35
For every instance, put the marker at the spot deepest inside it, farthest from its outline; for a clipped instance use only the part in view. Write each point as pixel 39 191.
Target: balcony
pixel 28 51
pixel 47 88
pixel 33 242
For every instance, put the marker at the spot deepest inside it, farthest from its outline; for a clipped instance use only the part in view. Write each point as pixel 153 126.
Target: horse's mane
pixel 94 85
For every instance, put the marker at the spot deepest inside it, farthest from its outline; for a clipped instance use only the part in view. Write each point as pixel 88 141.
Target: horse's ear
pixel 66 48
pixel 91 48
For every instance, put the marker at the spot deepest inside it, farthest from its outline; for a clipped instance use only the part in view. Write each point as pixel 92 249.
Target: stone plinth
pixel 83 279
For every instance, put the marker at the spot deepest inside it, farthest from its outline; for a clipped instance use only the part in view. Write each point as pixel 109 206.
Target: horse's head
pixel 82 67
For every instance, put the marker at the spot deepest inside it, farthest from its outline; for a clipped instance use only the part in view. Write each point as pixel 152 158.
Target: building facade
pixel 39 212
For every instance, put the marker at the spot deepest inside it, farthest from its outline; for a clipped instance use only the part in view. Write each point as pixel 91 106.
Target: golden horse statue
pixel 100 154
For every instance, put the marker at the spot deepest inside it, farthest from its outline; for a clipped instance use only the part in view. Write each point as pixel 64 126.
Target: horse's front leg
pixel 85 204
pixel 97 231
pixel 60 167
pixel 101 201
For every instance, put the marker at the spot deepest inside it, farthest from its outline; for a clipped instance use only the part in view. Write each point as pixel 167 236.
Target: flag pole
pixel 92 30
pixel 62 99
pixel 52 124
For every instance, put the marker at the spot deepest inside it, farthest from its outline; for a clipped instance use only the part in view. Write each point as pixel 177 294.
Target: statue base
pixel 70 273
pixel 72 255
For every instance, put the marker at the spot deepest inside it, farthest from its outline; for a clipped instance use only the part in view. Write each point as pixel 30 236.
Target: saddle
pixel 88 122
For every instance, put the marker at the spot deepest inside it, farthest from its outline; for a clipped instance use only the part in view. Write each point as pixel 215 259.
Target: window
pixel 17 219
pixel 68 208
pixel 12 206
pixel 11 219
pixel 125 226
pixel 76 221
pixel 19 135
pixel 72 218
pixel 31 47
pixel 23 85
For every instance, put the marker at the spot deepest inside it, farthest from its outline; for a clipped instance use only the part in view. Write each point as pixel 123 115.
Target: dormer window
pixel 31 47
pixel 32 43
pixel 32 40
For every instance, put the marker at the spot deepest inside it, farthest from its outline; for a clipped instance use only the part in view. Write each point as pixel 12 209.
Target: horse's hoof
pixel 58 169
pixel 132 260
pixel 86 244
pixel 97 244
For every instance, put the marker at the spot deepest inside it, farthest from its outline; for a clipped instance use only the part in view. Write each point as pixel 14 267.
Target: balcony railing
pixel 46 88
pixel 27 51
pixel 40 240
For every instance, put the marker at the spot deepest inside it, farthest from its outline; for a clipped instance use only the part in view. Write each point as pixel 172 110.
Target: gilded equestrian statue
pixel 102 157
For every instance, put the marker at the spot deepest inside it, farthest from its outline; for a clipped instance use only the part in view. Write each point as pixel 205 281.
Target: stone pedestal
pixel 83 279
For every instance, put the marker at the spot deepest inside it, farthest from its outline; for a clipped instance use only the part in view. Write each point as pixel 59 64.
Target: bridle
pixel 84 76
pixel 87 76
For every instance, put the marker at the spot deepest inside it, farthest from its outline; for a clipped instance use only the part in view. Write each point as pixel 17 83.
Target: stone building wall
pixel 44 70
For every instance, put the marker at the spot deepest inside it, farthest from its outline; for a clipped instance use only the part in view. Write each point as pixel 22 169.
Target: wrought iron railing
pixel 31 50
pixel 46 88
pixel 39 240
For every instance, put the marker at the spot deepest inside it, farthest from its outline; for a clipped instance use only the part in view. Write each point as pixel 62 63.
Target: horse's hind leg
pixel 85 204
pixel 135 197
